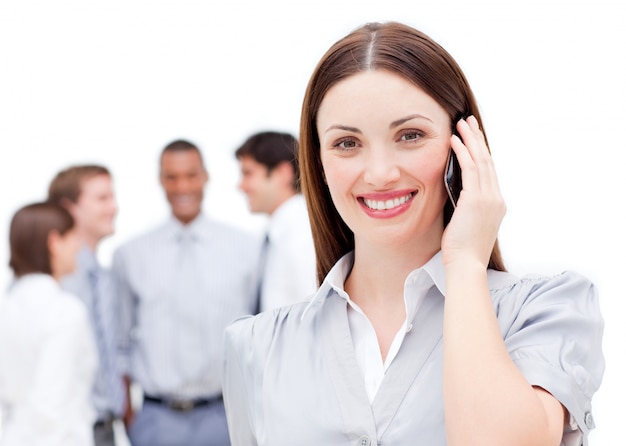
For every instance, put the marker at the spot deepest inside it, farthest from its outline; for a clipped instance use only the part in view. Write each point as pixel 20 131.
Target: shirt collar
pixel 336 277
pixel 334 280
pixel 196 229
pixel 434 268
pixel 86 259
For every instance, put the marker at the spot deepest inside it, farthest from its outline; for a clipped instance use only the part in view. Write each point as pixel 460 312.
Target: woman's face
pixel 384 144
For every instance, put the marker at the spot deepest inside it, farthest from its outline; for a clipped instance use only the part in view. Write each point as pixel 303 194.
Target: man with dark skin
pixel 179 286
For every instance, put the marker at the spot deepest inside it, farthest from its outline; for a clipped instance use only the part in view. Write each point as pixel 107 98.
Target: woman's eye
pixel 346 144
pixel 410 135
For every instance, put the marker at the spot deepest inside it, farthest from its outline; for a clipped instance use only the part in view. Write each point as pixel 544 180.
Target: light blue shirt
pixel 106 401
pixel 175 306
pixel 292 375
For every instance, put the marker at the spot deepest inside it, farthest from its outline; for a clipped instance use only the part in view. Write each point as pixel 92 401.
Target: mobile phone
pixel 452 178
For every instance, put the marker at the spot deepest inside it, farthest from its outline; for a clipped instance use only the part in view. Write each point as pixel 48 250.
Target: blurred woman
pixel 47 353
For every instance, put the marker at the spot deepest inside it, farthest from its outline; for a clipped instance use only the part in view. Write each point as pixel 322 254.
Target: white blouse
pixel 48 361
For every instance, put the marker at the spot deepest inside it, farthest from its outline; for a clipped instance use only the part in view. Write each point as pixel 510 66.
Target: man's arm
pixel 126 322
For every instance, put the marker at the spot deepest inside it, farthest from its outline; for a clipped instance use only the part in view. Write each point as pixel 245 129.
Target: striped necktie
pixel 105 332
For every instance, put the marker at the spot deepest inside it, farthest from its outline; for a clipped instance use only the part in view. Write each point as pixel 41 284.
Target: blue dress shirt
pixel 108 392
pixel 179 287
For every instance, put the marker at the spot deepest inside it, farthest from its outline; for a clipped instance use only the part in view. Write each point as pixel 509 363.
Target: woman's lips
pixel 386 205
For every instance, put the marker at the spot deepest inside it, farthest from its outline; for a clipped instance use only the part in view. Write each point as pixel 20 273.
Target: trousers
pixel 158 425
pixel 103 434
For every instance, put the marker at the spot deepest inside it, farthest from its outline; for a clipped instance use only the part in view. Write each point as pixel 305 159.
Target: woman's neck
pixel 376 285
pixel 379 272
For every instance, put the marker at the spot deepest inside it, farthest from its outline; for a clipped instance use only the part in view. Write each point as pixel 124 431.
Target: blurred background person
pixel 86 191
pixel 47 351
pixel 270 180
pixel 179 285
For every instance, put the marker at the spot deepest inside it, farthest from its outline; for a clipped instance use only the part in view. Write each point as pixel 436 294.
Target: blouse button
pixel 364 440
pixel 589 420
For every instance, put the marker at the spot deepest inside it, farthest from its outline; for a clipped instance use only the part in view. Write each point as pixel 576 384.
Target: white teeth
pixel 388 204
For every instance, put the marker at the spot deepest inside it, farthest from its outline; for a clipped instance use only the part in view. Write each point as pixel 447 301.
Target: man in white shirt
pixel 270 180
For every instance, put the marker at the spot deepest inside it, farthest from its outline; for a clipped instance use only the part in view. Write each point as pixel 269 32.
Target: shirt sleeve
pixel 125 310
pixel 238 399
pixel 555 340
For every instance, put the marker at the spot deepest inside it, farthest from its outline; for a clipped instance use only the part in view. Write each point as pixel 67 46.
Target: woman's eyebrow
pixel 401 121
pixel 343 127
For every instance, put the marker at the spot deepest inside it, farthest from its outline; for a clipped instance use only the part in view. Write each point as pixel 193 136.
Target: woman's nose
pixel 381 168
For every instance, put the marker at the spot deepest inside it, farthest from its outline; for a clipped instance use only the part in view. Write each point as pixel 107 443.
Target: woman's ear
pixel 53 242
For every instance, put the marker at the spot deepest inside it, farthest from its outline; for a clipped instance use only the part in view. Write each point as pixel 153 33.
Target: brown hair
pixel 28 236
pixel 399 49
pixel 271 149
pixel 67 184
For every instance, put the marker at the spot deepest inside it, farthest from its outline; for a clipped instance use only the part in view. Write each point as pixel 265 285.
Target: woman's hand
pixel 473 229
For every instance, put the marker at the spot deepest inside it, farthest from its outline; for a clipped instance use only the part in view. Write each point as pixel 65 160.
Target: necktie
pixel 185 266
pixel 262 264
pixel 190 306
pixel 105 331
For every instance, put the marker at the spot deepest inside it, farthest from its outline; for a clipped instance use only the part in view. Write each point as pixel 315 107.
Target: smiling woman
pixel 417 334
pixel 382 164
pixel 112 82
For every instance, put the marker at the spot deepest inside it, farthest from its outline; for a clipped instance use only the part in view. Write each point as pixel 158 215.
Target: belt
pixel 179 405
pixel 105 422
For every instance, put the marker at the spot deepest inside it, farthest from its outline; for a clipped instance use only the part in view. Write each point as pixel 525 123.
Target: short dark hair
pixel 28 236
pixel 67 184
pixel 271 149
pixel 181 145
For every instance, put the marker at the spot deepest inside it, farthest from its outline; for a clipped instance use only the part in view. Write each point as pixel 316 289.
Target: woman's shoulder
pixel 38 304
pixel 566 282
pixel 258 332
pixel 553 329
pixel 269 321
pixel 563 296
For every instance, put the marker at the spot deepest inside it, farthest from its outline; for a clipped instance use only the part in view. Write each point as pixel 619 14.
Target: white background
pixel 113 82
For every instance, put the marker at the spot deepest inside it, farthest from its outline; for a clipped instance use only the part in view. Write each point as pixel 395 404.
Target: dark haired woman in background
pixel 47 353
